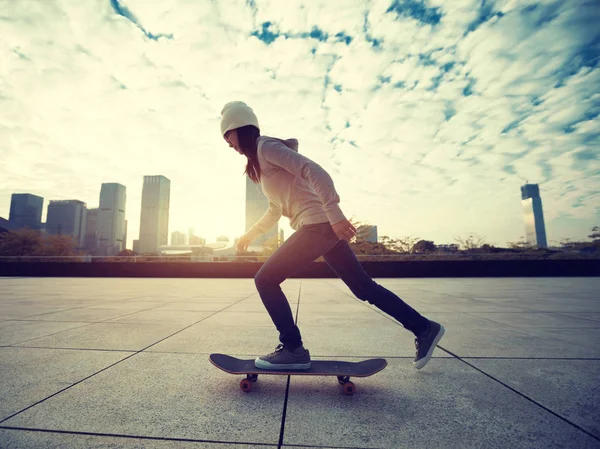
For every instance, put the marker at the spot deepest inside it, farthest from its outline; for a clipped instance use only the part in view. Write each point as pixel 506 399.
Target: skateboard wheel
pixel 246 385
pixel 349 388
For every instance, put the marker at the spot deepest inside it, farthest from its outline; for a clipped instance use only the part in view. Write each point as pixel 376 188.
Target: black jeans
pixel 303 247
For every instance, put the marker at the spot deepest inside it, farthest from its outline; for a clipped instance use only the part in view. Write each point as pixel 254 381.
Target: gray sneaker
pixel 425 344
pixel 284 359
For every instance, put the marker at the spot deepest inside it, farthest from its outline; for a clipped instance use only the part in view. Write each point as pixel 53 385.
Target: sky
pixel 429 115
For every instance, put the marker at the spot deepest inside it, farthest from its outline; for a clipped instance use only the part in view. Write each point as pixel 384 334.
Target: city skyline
pixel 429 119
pixel 156 200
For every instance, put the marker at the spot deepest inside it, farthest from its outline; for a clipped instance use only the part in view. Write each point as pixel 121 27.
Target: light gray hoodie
pixel 295 186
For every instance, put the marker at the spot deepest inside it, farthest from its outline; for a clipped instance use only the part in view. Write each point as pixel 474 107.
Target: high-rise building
pixel 111 219
pixel 125 236
pixel 26 211
pixel 367 233
pixel 67 217
pixel 535 230
pixel 256 205
pixel 90 242
pixel 154 220
pixel 178 238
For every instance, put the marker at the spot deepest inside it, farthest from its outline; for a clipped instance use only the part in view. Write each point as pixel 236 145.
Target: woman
pixel 300 189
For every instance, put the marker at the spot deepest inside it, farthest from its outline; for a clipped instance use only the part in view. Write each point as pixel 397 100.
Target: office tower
pixel 367 233
pixel 535 230
pixel 125 236
pixel 26 211
pixel 154 219
pixel 256 205
pixel 136 246
pixel 178 238
pixel 90 241
pixel 111 219
pixel 67 217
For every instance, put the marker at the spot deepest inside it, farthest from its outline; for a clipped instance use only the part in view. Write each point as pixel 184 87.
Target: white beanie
pixel 236 114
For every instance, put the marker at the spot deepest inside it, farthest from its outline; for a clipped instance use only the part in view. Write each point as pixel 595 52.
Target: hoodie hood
pixel 292 143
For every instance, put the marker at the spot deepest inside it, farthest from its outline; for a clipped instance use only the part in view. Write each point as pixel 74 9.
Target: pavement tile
pixel 585 316
pixel 569 388
pixel 471 336
pixel 177 317
pixel 84 314
pixel 449 405
pixel 530 320
pixel 251 341
pixel 113 335
pixel 19 331
pixel 19 439
pixel 164 395
pixel 29 375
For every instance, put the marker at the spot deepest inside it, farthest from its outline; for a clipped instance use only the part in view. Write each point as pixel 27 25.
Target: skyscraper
pixel 67 217
pixel 26 211
pixel 256 205
pixel 367 233
pixel 111 219
pixel 91 231
pixel 535 230
pixel 154 220
pixel 178 238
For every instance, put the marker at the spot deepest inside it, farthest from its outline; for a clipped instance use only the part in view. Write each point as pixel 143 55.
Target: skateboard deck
pixel 343 370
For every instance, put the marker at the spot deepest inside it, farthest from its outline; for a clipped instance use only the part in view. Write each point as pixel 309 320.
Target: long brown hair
pixel 247 137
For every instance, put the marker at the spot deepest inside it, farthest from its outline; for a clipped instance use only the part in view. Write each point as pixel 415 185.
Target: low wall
pixel 468 268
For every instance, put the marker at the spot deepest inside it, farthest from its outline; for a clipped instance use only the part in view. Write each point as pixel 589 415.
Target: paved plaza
pixel 123 363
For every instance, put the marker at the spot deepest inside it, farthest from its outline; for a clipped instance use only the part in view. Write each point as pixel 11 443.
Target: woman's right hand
pixel 344 230
pixel 243 243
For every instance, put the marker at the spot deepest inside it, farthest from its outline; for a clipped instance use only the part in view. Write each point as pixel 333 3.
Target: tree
pixel 473 241
pixel 58 245
pixel 126 253
pixel 22 242
pixel 595 235
pixel 404 244
pixel 424 246
pixel 521 245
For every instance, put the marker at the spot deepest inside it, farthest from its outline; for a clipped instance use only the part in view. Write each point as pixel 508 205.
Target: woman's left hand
pixel 344 230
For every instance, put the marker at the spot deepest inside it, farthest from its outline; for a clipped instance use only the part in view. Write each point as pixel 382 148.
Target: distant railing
pixel 257 258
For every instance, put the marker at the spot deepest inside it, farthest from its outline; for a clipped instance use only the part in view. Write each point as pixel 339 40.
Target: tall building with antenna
pixel 535 229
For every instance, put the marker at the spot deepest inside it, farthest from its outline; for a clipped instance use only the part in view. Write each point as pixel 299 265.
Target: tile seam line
pixel 385 315
pixel 116 435
pixel 524 396
pixel 109 366
pixel 87 324
pixel 287 386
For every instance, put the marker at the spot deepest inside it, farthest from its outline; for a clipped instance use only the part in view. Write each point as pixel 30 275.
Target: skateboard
pixel 343 370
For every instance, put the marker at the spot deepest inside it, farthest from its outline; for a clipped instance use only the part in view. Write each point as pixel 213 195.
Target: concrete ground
pixel 123 363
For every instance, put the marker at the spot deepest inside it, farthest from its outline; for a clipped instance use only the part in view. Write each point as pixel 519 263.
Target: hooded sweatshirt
pixel 295 187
